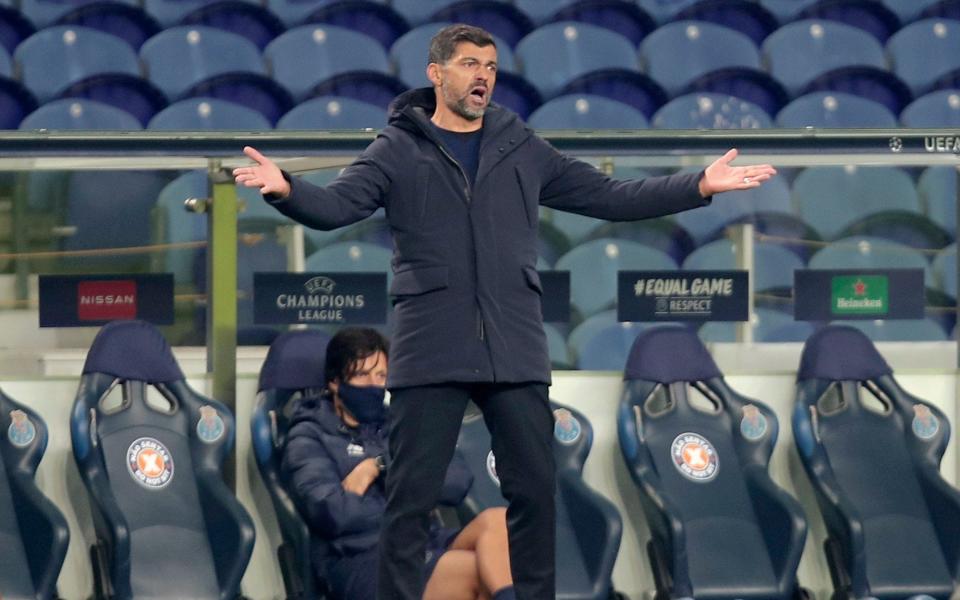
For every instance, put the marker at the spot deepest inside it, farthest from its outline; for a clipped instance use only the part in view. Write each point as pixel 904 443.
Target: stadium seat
pixel 593 267
pixel 786 10
pixel 126 21
pixel 554 54
pixel 749 18
pixel 557 347
pixel 664 234
pixel 872 451
pixel 149 450
pixel 871 253
pixel 663 11
pixel 907 10
pixel 831 198
pixel 869 15
pixel 924 51
pixel 409 54
pixel 872 83
pixel 768 326
pixel 753 85
pixel 14 28
pixel 333 113
pixel 945 270
pixel 500 18
pixel 292 369
pixel 200 114
pixel 517 94
pixel 835 110
pixel 351 257
pixel 625 18
pixel 588 525
pixel 679 52
pixel 33 531
pixel 939 109
pixel 944 9
pixel 16 103
pixel 699 453
pixel 710 111
pixel 377 20
pixel 575 227
pixel 623 85
pixel 73 113
pixel 170 13
pixel 252 21
pixel 774 264
pixel 418 12
pixel 901 330
pixel 800 51
pixel 586 111
pixel 45 13
pixel 905 227
pixel 937 188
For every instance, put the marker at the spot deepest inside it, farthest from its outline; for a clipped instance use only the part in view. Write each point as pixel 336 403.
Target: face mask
pixel 364 403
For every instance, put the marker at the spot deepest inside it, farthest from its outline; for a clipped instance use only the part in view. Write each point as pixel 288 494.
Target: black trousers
pixel 425 423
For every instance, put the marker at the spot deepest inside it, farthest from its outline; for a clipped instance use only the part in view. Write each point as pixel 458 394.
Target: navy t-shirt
pixel 464 147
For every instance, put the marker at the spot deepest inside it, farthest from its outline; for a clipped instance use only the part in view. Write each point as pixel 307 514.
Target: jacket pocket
pixel 419 280
pixel 533 279
pixel 529 196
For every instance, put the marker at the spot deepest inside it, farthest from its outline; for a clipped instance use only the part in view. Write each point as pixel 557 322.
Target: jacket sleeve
pixel 457 482
pixel 354 195
pixel 315 483
pixel 575 186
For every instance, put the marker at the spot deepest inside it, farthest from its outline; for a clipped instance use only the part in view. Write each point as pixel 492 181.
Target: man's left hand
pixel 720 176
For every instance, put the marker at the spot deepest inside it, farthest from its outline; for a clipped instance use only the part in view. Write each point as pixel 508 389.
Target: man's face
pixel 466 80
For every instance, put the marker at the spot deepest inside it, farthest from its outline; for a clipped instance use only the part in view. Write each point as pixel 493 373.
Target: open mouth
pixel 479 93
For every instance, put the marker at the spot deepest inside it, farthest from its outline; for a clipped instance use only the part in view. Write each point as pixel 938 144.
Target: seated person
pixel 333 464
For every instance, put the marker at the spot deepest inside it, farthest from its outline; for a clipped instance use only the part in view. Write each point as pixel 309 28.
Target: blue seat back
pixel 699 452
pixel 16 102
pixel 76 113
pixel 710 111
pixel 923 51
pixel 872 452
pixel 835 109
pixel 33 532
pixel 936 109
pixel 586 111
pixel 333 112
pixel 149 450
pixel 864 252
pixel 502 19
pixel 736 206
pixel 200 114
pixel 774 264
pixel 626 18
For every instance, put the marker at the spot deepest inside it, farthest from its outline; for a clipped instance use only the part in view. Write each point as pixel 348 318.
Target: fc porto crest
pixel 492 468
pixel 566 427
pixel 925 424
pixel 150 463
pixel 21 432
pixel 695 457
pixel 210 427
pixel 753 425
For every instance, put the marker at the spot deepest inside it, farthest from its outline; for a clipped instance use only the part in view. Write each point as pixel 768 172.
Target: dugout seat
pixel 588 525
pixel 872 451
pixel 699 452
pixel 293 368
pixel 149 450
pixel 33 532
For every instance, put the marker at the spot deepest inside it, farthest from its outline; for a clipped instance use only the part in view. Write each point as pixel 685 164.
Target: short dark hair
pixel 350 346
pixel 444 43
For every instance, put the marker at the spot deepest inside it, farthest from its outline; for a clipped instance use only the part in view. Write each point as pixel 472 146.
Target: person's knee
pixel 494 520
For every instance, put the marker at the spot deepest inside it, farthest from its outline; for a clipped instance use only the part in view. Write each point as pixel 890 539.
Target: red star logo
pixel 859 288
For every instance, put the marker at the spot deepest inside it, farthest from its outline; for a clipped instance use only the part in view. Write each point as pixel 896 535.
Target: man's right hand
pixel 360 478
pixel 265 175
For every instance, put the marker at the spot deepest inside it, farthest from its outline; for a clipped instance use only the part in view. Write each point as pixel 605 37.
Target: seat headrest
pixel 841 353
pixel 295 361
pixel 668 354
pixel 134 350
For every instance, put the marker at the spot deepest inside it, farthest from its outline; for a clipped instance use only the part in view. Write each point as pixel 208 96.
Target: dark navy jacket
pixel 320 452
pixel 465 286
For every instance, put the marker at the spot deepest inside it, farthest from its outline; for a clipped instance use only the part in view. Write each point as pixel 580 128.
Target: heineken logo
pixel 860 295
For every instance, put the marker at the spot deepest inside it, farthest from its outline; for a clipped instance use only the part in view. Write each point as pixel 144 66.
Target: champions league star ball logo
pixel 896 144
pixel 150 463
pixel 695 457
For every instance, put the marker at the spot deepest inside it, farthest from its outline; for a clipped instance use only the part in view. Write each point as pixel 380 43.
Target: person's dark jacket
pixel 465 284
pixel 320 452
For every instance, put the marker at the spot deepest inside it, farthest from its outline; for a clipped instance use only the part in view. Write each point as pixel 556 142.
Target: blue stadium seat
pixel 773 263
pixel 872 83
pixel 252 21
pixel 45 13
pixel 377 20
pixel 907 10
pixel 924 51
pixel 747 17
pixel 200 114
pixel 589 526
pixel 623 85
pixel 869 15
pixel 937 188
pixel 409 54
pixel 575 227
pixel 372 87
pixel 16 102
pixel 372 231
pixel 128 22
pixel 14 28
pixel 831 198
pixel 593 267
pixel 150 451
pixel 351 257
pixel 753 85
pixel 418 12
pixel 79 114
pixel 500 18
pixel 944 9
pixel 293 12
pixel 664 234
pixel 333 113
pixel 292 370
pixel 33 531
pixel 554 54
pixel 625 18
pixel 835 109
pixel 516 93
pixel 935 109
pixel 679 52
pixel 786 10
pixel 872 451
pixel 871 253
pixel 330 50
pixel 798 52
pixel 586 111
pixel 945 270
pixel 683 431
pixel 902 330
pixel 768 325
pixel 664 10
pixel 905 227
pixel 170 13
pixel 710 111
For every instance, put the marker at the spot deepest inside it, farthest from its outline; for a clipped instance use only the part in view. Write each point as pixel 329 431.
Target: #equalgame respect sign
pixel 682 295
pixel 824 295
pixel 92 300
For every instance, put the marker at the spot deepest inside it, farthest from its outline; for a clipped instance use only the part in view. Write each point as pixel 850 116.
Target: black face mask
pixel 364 403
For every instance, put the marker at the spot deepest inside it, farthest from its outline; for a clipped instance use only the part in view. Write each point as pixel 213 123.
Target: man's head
pixel 463 69
pixel 356 372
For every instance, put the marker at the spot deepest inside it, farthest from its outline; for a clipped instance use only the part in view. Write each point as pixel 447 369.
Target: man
pixel 461 180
